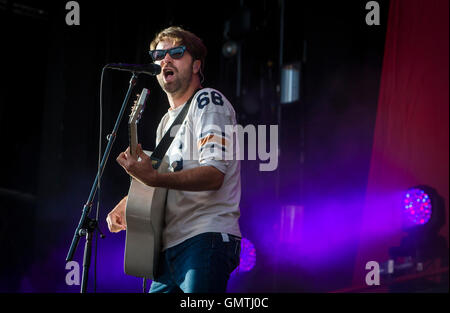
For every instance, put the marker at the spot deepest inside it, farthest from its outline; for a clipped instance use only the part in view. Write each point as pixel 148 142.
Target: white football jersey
pixel 202 140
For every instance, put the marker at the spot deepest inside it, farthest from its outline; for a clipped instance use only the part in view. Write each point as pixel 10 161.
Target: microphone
pixel 149 69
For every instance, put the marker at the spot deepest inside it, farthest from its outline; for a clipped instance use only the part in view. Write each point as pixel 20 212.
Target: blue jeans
pixel 199 264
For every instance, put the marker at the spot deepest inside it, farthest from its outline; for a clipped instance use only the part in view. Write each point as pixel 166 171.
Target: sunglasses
pixel 175 53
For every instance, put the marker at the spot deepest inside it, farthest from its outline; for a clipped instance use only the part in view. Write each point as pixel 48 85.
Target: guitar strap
pixel 165 142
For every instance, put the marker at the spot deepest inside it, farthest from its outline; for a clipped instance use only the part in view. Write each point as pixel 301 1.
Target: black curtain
pixel 49 112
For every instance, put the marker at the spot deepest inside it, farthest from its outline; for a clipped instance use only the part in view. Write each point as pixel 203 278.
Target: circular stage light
pixel 417 206
pixel 229 49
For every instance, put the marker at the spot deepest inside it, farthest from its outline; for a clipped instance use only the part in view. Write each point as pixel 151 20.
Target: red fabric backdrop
pixel 411 140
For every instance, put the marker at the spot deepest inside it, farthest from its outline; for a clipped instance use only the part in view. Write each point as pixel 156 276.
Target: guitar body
pixel 144 215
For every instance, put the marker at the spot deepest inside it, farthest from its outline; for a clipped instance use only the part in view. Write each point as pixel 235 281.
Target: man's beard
pixel 179 85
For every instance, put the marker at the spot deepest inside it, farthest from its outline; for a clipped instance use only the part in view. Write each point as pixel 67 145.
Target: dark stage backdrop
pixel 411 141
pixel 49 126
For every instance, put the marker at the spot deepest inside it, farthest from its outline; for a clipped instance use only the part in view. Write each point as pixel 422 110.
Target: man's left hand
pixel 142 170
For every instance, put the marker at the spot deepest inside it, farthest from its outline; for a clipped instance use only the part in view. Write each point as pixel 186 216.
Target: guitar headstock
pixel 138 108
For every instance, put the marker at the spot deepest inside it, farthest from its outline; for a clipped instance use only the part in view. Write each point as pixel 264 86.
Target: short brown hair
pixel 184 37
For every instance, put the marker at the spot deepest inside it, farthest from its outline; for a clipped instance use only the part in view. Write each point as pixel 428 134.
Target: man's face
pixel 176 74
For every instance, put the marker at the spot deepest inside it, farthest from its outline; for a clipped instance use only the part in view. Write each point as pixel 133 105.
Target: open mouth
pixel 168 73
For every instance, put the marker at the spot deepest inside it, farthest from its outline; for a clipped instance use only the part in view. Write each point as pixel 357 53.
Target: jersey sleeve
pixel 213 117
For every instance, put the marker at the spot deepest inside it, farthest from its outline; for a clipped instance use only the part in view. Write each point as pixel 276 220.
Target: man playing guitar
pixel 201 235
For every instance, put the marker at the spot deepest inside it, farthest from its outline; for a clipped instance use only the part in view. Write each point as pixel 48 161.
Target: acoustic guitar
pixel 145 210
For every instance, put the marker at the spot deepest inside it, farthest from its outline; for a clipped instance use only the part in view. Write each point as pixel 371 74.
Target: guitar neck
pixel 135 116
pixel 133 138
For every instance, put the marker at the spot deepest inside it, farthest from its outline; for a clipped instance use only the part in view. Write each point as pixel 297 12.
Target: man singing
pixel 201 237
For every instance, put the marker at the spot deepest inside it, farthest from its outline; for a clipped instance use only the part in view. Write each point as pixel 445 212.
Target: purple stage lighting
pixel 417 206
pixel 247 257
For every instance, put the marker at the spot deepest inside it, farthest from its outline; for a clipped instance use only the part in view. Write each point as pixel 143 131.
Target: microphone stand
pixel 87 226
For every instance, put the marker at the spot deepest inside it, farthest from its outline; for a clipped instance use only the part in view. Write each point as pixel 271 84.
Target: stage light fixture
pixel 229 49
pixel 290 83
pixel 423 216
pixel 417 207
pixel 247 256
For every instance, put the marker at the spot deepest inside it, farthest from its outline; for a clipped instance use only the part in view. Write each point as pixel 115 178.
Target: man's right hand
pixel 116 218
